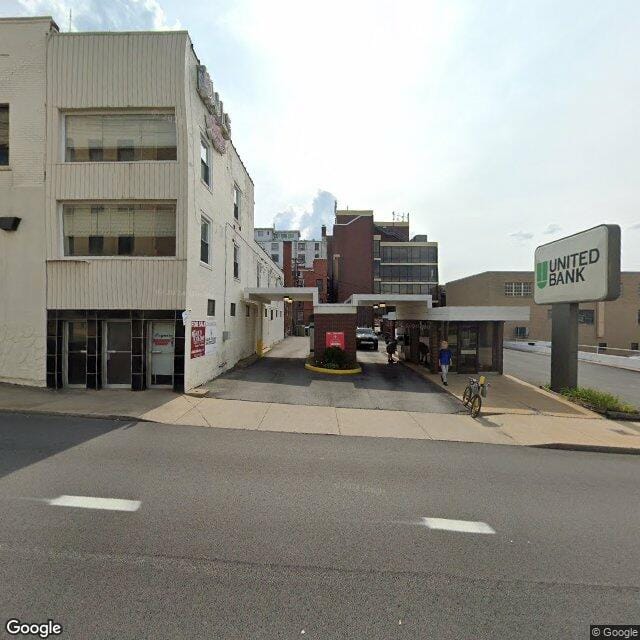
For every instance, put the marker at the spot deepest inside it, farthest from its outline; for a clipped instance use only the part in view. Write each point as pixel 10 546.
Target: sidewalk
pixel 509 395
pixel 515 428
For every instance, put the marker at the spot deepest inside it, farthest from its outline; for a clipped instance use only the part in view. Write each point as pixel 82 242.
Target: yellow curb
pixel 333 372
pixel 558 397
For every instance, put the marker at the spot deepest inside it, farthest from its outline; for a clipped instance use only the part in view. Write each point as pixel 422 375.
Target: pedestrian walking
pixel 391 349
pixel 444 359
pixel 423 353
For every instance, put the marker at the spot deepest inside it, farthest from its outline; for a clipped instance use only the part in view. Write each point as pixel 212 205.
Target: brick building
pixel 367 256
pixel 614 324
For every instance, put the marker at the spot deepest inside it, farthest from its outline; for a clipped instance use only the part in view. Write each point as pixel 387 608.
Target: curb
pixel 333 372
pixel 589 448
pixel 67 414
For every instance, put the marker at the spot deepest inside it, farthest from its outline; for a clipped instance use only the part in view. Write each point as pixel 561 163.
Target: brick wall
pixel 345 322
pixel 354 244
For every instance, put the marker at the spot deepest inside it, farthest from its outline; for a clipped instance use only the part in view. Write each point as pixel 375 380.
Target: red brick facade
pixel 345 322
pixel 352 271
pixel 316 277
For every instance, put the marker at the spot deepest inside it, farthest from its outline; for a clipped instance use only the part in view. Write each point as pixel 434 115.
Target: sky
pixel 496 125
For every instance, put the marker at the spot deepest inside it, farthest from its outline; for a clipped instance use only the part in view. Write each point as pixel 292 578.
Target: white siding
pixel 108 72
pixel 116 284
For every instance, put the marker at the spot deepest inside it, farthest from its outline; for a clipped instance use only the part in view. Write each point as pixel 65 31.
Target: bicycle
pixel 473 394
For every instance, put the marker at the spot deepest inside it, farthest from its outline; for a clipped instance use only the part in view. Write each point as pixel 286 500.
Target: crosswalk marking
pixel 88 502
pixel 461 526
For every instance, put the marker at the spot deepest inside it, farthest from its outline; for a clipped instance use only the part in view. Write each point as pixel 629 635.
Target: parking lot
pixel 280 377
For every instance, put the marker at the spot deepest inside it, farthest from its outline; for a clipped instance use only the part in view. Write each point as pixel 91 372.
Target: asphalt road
pixel 243 534
pixel 535 368
pixel 282 378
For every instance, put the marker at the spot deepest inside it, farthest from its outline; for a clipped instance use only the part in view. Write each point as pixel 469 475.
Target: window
pixel 108 229
pixel 634 346
pixel 274 246
pixel 521 332
pixel 4 135
pixel 265 313
pixel 126 151
pixel 211 307
pixel 518 289
pixel 638 316
pixel 319 285
pixel 275 257
pixel 236 261
pixel 602 346
pixel 127 137
pixel 317 247
pixel 205 172
pixel 247 311
pixel 233 309
pixel 236 202
pixel 205 239
pixel 586 316
pixel 301 258
pixel 271 314
pixel 317 255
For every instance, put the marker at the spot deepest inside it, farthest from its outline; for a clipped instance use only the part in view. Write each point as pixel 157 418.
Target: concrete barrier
pixel 540 346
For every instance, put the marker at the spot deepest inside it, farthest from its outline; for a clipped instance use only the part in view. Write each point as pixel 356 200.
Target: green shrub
pixel 335 358
pixel 598 400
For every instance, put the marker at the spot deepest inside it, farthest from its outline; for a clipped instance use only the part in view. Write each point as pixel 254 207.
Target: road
pixel 535 368
pixel 243 534
pixel 281 378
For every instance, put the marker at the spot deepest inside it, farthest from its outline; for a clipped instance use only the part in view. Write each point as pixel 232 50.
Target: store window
pixel 130 137
pixel 4 135
pixel 110 229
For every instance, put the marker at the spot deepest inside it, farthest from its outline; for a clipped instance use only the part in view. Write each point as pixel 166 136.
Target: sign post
pixel 584 267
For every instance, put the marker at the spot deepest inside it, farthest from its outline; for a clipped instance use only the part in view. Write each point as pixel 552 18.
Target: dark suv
pixel 366 337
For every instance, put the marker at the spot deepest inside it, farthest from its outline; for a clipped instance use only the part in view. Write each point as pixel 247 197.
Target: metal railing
pixel 588 348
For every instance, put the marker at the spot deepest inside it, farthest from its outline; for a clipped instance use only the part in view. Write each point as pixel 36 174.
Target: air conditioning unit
pixel 226 335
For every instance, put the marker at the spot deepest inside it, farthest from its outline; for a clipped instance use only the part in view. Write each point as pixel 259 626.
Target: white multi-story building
pixel 303 251
pixel 126 215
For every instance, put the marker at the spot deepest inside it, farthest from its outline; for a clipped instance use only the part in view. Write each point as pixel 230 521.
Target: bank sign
pixel 584 267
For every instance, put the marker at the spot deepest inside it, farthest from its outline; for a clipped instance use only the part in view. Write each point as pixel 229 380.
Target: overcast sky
pixel 496 125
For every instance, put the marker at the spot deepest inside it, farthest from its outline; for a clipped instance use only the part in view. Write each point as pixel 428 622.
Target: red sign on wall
pixel 198 330
pixel 334 339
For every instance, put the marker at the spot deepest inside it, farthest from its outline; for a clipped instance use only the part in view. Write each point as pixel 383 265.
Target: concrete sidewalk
pixel 509 395
pixel 573 430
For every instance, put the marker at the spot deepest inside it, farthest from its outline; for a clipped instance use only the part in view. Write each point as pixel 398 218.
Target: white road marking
pixel 462 526
pixel 87 502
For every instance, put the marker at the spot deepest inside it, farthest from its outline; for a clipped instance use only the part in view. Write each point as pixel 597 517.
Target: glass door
pixel 75 346
pixel 468 348
pixel 117 353
pixel 161 347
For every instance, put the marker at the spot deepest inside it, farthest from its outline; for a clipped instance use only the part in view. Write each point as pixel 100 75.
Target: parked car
pixel 366 337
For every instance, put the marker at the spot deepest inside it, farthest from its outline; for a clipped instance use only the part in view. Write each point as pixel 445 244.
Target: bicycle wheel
pixel 466 396
pixel 476 405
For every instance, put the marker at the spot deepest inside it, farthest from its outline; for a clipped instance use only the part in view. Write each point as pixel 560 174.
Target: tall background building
pixel 367 256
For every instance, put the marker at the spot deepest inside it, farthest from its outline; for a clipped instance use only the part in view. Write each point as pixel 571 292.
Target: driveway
pixel 280 377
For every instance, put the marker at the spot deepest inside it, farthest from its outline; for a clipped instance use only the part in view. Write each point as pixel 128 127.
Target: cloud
pixel 309 222
pixel 552 228
pixel 521 236
pixel 100 15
